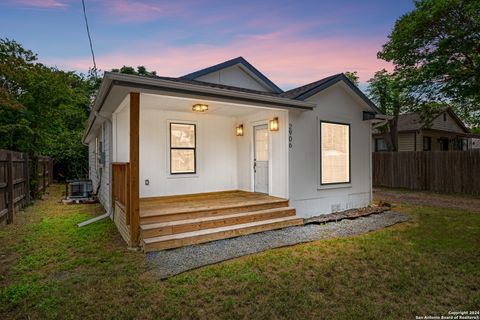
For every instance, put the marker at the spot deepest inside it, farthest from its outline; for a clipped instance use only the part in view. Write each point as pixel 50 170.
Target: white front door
pixel 260 158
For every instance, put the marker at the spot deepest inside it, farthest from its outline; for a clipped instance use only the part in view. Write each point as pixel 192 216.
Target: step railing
pixel 121 187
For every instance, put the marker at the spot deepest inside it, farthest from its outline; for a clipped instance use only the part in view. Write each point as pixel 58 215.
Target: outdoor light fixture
pixel 200 107
pixel 239 130
pixel 273 124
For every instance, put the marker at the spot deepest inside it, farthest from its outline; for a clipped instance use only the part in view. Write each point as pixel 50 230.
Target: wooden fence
pixel 437 171
pixel 15 176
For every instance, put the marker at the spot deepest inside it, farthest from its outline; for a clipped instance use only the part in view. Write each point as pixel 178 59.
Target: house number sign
pixel 290 139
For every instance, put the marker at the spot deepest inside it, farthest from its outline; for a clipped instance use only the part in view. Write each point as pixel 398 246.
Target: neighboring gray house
pixel 446 132
pixel 223 151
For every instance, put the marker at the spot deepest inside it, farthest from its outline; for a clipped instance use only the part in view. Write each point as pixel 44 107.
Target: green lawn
pixel 53 270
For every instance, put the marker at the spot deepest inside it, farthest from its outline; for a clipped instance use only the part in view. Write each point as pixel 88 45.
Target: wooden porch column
pixel 134 185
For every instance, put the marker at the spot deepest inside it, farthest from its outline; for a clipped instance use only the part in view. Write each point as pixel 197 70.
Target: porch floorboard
pixel 168 205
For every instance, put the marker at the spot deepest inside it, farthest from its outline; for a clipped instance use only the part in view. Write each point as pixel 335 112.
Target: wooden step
pixel 157 216
pixel 206 235
pixel 181 226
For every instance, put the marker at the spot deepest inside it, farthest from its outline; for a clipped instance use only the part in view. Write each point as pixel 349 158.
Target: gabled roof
pixel 230 63
pixel 414 122
pixel 187 84
pixel 308 90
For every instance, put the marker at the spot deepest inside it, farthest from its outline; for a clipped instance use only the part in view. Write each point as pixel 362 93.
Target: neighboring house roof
pixel 232 62
pixel 308 90
pixel 414 122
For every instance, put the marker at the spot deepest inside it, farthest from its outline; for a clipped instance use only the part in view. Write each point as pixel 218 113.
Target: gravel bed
pixel 171 262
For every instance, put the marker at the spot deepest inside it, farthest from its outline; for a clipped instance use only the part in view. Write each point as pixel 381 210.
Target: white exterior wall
pixel 306 194
pixel 216 153
pixel 102 173
pixel 233 76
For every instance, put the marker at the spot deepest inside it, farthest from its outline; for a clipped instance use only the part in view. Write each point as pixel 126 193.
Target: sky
pixel 291 42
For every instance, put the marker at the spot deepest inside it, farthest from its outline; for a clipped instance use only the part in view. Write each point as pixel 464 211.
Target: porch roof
pixel 119 84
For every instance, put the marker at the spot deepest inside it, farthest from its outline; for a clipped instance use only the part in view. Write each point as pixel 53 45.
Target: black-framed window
pixel 380 144
pixel 183 148
pixel 427 143
pixel 335 164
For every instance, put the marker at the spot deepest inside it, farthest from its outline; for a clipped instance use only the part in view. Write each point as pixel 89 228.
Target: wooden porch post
pixel 134 167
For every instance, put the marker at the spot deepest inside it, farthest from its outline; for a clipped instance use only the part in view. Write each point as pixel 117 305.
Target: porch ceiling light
pixel 200 107
pixel 239 130
pixel 273 124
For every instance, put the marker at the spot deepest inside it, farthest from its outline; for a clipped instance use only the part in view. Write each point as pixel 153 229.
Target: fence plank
pixel 437 171
pixel 10 188
pixel 15 175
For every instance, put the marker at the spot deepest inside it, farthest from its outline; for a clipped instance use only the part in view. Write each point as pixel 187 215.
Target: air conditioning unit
pixel 79 189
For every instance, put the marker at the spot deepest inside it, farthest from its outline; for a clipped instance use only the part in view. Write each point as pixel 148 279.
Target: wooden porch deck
pixel 175 221
pixel 168 205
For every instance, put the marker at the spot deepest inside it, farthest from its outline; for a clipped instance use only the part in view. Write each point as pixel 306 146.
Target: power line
pixel 89 39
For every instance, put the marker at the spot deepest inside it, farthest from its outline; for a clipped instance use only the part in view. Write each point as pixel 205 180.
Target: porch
pixel 181 176
pixel 168 222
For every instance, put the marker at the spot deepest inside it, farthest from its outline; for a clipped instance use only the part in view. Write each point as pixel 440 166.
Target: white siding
pixel 101 174
pixel 224 161
pixel 233 76
pixel 216 153
pixel 310 199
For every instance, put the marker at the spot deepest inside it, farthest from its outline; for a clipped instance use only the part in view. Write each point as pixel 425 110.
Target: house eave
pixel 334 80
pixel 112 79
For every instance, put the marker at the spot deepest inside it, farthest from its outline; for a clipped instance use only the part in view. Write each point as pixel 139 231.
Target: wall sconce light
pixel 273 124
pixel 200 107
pixel 239 130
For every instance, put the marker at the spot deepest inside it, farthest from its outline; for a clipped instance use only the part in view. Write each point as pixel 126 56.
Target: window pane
pixel 381 145
pixel 335 153
pixel 182 135
pixel 261 144
pixel 182 161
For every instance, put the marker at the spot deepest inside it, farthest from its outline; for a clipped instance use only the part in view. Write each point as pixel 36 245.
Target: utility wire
pixel 89 39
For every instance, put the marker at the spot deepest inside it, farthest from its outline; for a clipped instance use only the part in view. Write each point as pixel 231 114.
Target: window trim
pixel 194 148
pixel 346 183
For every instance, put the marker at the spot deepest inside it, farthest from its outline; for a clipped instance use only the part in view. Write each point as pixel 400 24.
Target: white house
pixel 223 151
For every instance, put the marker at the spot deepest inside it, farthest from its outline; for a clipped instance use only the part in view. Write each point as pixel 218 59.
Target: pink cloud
pixel 287 60
pixel 43 4
pixel 129 11
pixel 125 11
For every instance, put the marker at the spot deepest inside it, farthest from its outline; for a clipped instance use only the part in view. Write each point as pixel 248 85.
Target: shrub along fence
pixel 437 171
pixel 16 181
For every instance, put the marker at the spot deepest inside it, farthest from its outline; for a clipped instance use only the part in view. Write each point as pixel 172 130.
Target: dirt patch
pixel 462 202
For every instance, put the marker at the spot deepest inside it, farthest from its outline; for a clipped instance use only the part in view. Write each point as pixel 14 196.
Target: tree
pixel 436 47
pixel 43 110
pixel 141 71
pixel 352 76
pixel 387 91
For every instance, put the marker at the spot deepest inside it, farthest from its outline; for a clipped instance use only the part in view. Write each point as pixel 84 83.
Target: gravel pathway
pixel 171 262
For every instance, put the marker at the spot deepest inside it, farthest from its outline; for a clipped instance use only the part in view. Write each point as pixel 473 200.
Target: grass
pixel 51 269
